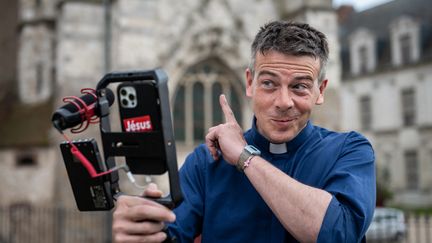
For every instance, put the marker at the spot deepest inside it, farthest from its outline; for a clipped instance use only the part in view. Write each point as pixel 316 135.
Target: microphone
pixel 71 114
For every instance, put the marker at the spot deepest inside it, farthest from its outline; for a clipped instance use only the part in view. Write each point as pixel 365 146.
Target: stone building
pixel 65 45
pixel 379 74
pixel 385 93
pixel 27 155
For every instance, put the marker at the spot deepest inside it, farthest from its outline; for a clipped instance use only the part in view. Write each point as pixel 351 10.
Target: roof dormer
pixel 362 51
pixel 405 42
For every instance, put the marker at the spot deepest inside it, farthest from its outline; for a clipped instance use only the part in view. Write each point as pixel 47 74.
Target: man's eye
pixel 301 86
pixel 268 84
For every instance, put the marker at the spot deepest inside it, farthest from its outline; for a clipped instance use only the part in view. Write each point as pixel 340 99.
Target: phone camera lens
pixel 123 92
pixel 131 97
pixel 125 102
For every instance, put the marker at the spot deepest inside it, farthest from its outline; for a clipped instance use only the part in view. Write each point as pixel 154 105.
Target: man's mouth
pixel 283 121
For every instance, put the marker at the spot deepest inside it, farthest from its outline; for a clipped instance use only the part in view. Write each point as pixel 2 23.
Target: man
pixel 284 180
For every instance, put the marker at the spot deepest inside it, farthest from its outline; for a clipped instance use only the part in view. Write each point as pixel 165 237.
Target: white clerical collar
pixel 277 148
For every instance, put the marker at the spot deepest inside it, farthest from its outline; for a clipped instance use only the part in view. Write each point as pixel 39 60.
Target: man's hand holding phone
pixel 137 219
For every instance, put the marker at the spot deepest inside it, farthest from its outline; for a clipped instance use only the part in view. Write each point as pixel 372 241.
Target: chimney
pixel 344 12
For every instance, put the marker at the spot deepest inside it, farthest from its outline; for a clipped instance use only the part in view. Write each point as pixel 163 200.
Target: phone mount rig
pixel 158 144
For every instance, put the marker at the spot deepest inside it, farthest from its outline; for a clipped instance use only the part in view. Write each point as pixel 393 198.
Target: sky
pixel 360 5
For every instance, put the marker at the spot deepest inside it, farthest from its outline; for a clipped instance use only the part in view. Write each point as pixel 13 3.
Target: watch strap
pixel 248 152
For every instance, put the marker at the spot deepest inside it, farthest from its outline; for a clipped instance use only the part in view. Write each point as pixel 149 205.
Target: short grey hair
pixel 291 38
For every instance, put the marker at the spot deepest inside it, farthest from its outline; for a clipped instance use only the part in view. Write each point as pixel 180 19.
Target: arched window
pixel 198 111
pixel 196 100
pixel 235 98
pixel 179 116
pixel 217 111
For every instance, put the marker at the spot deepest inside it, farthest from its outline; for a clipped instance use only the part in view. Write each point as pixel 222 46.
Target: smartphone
pixel 140 112
pixel 91 194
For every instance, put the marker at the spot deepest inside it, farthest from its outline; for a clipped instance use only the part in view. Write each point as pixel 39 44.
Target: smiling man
pixel 283 180
pixel 288 89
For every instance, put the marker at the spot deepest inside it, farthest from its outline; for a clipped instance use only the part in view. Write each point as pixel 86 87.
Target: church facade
pixel 379 78
pixel 204 46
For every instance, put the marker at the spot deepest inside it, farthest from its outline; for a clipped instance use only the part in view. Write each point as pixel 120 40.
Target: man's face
pixel 284 89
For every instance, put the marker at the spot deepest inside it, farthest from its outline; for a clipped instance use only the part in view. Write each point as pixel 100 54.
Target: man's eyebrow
pixel 304 77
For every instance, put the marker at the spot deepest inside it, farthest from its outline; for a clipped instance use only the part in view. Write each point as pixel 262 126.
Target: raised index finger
pixel 229 115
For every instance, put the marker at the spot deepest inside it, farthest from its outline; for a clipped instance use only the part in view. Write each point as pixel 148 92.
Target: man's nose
pixel 284 100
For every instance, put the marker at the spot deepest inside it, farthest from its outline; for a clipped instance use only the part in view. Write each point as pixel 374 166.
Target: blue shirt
pixel 221 204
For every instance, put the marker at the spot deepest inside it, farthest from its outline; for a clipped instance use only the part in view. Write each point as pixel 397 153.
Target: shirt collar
pixel 264 145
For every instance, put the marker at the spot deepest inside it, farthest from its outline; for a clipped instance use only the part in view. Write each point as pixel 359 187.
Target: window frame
pixel 412 174
pixel 366 116
pixel 208 73
pixel 408 106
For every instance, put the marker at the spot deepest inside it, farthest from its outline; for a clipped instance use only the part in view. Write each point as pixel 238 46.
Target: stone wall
pixel 68 38
pixel 32 184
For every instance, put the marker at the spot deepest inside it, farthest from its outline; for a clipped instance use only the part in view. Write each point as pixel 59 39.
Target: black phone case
pixel 148 151
pixel 142 116
pixel 91 194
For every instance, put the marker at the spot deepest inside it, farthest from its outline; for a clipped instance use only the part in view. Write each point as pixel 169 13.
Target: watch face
pixel 247 152
pixel 252 150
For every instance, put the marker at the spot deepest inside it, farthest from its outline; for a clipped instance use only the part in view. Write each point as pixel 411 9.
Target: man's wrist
pixel 247 162
pixel 246 155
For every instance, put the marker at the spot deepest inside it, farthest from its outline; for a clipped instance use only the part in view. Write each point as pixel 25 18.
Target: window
pixel 411 170
pixel 235 98
pixel 25 159
pixel 198 111
pixel 362 49
pixel 408 107
pixel 405 35
pixel 363 59
pixel 217 111
pixel 365 113
pixel 406 49
pixel 179 115
pixel 196 103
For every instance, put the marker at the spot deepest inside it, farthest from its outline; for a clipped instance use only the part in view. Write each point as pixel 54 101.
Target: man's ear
pixel 249 80
pixel 322 87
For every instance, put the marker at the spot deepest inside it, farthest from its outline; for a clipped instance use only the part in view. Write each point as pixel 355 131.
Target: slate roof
pixel 378 20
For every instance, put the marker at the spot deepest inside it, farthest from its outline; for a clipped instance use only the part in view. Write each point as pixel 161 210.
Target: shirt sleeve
pixel 189 213
pixel 353 187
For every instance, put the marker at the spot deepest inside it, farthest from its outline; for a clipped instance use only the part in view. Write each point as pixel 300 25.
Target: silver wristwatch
pixel 248 151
